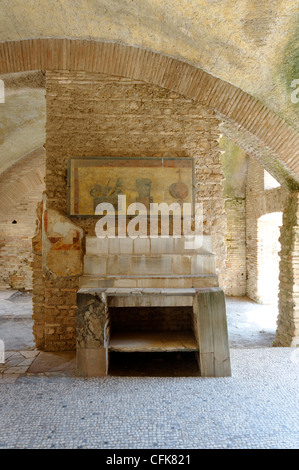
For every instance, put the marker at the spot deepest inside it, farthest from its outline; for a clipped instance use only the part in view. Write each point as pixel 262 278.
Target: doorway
pixel 268 246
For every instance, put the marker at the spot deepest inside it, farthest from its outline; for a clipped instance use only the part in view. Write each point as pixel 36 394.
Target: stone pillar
pixel 211 332
pixel 92 334
pixel 38 287
pixel 62 265
pixel 287 333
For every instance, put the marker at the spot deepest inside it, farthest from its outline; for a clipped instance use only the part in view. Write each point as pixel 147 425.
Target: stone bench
pixel 209 338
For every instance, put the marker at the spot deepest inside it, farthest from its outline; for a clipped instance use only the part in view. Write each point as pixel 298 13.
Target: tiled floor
pixel 44 405
pixel 16 364
pixel 250 325
pixel 256 408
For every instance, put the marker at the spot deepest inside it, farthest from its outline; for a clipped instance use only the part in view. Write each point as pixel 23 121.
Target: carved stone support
pixel 211 332
pixel 92 334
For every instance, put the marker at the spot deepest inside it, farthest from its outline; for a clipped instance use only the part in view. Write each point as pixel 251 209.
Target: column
pixel 92 334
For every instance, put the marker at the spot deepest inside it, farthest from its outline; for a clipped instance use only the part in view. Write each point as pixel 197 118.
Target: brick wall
pixel 235 162
pixel 21 188
pixel 38 298
pixel 258 203
pixel 287 333
pixel 235 280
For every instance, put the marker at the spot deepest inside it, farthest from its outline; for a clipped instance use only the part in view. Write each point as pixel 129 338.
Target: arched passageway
pixel 261 131
pixel 268 228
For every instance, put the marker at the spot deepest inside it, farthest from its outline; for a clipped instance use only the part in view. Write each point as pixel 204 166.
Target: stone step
pixel 140 265
pixel 167 282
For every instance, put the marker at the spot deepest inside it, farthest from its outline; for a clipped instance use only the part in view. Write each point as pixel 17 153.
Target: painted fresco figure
pixel 144 186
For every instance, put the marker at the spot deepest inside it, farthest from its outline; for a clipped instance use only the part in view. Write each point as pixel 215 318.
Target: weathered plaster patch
pixel 62 245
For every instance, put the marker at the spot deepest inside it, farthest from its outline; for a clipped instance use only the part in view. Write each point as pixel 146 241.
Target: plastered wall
pixel 21 187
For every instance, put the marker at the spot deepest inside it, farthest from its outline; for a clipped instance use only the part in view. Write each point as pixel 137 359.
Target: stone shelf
pixel 209 338
pixel 154 281
pixel 150 341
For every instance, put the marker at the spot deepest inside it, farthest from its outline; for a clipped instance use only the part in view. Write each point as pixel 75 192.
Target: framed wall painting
pixel 93 180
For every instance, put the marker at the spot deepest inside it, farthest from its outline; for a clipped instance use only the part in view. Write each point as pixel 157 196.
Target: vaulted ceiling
pixel 250 44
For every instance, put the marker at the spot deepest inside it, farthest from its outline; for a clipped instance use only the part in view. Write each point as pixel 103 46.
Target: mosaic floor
pixel 44 405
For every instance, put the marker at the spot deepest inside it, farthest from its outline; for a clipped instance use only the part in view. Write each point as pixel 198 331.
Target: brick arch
pixel 274 200
pixel 248 122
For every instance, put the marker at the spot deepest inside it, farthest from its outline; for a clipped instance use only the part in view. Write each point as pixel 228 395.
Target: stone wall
pixel 100 115
pixel 235 280
pixel 287 333
pixel 235 163
pixel 57 255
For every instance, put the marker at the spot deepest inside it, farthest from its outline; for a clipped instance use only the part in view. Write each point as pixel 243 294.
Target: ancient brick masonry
pixel 287 333
pixel 54 310
pixel 38 298
pixel 235 277
pixel 99 115
pixel 248 115
pixel 258 203
pixel 21 187
pixel 235 162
